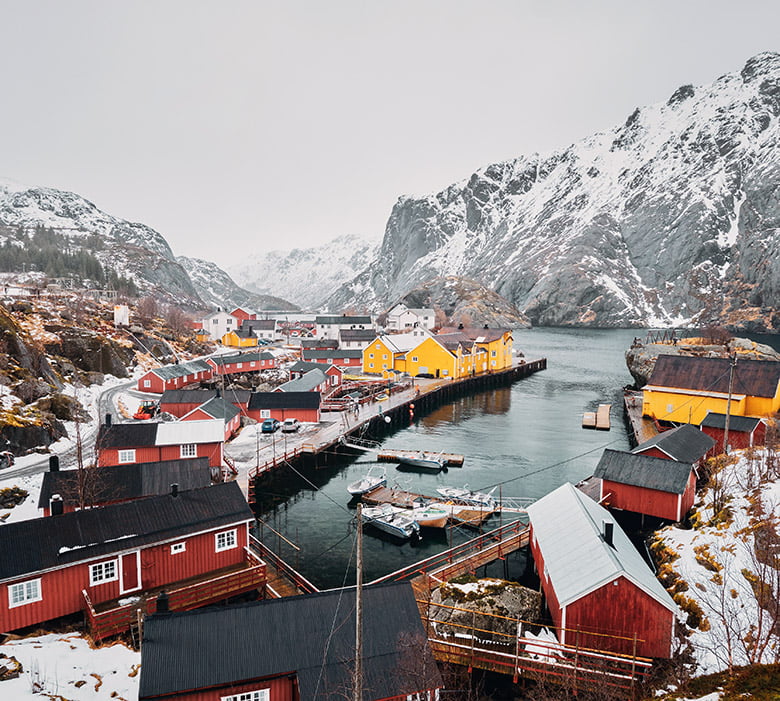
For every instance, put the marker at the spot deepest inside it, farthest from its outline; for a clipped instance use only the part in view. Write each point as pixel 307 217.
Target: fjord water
pixel 527 438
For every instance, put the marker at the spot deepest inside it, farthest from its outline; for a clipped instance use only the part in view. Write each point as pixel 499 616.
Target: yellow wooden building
pixel 240 338
pixel 683 389
pixel 496 345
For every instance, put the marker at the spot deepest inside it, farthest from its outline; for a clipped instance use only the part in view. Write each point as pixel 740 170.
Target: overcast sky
pixel 286 124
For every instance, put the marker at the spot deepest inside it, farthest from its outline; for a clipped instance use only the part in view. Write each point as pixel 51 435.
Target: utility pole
pixel 732 365
pixel 357 684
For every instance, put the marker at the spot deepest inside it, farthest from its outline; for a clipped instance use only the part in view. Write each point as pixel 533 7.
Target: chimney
pixel 108 419
pixel 219 393
pixel 56 506
pixel 54 463
pixel 608 528
pixel 485 326
pixel 460 326
pixel 162 604
pixel 175 489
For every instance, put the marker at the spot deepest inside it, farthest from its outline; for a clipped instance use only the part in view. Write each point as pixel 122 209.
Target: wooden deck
pixel 598 419
pixel 643 428
pixel 450 459
pixel 469 515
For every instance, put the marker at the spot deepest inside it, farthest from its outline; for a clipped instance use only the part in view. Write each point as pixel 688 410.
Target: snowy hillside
pixel 306 276
pixel 670 218
pixel 218 289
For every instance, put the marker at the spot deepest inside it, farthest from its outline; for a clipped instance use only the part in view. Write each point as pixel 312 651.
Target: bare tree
pixel 177 320
pixel 146 310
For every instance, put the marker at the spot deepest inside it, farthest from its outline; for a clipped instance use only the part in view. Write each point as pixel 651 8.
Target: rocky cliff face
pixel 671 218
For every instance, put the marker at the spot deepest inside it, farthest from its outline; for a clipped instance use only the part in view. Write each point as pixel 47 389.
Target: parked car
pixel 290 425
pixel 269 425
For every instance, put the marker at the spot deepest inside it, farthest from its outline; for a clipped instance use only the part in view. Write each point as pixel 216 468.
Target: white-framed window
pixel 226 540
pixel 370 355
pixel 493 354
pixel 102 572
pixel 147 383
pixel 24 593
pixel 384 356
pixel 188 450
pixel 265 413
pixel 178 548
pixel 126 455
pixel 370 365
pixel 384 366
pixel 378 345
pixel 414 358
pixel 669 408
pixel 239 365
pixel 214 321
pixel 252 364
pixel 258 695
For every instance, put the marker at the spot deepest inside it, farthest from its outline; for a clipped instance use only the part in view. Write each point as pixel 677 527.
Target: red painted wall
pixel 654 452
pixel 282 689
pixel 179 410
pixel 738 439
pixel 61 589
pixel 651 502
pixel 212 451
pixel 305 415
pixel 620 608
pixel 547 588
pixel 156 384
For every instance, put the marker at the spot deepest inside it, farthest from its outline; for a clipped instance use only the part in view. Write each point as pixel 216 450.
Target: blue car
pixel 269 425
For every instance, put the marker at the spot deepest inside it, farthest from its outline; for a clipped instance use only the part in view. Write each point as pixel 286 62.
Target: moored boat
pixel 396 522
pixel 423 461
pixel 368 482
pixel 465 496
pixel 431 515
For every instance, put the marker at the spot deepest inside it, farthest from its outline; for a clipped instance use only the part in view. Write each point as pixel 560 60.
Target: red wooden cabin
pixel 100 486
pixel 600 593
pixel 243 314
pixel 119 444
pixel 217 408
pixel 646 485
pixel 744 431
pixel 312 381
pixel 310 344
pixel 685 443
pixel 300 647
pixel 178 402
pixel 174 376
pixel 334 373
pixel 343 358
pixel 304 406
pixel 194 544
pixel 242 362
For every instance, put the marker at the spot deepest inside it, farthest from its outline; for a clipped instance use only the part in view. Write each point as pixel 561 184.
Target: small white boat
pixel 368 482
pixel 464 495
pixel 423 461
pixel 431 515
pixel 396 522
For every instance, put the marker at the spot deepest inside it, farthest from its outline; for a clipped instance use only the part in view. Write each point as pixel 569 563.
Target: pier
pixel 598 419
pixel 642 428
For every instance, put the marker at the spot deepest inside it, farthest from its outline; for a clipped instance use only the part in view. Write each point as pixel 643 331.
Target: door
pixel 130 572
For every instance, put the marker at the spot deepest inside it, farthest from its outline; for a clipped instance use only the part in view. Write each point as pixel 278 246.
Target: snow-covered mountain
pixel 134 251
pixel 306 276
pixel 670 218
pixel 217 288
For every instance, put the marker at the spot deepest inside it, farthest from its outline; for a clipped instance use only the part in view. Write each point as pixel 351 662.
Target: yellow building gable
pixel 231 338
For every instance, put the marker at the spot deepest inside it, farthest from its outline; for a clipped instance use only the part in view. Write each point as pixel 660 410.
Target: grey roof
pixel 332 354
pixel 343 320
pixel 123 482
pixel 253 356
pixel 284 400
pixel 262 324
pixel 218 408
pixel 567 526
pixel 741 424
pixel 305 366
pixel 357 334
pixel 127 435
pixel 305 383
pixel 476 333
pixel 187 396
pixel 54 541
pixel 319 343
pixel 644 471
pixel 755 378
pixel 685 443
pixel 311 637
pixel 169 372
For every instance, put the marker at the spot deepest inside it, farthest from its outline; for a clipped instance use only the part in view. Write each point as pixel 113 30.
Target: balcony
pixel 113 618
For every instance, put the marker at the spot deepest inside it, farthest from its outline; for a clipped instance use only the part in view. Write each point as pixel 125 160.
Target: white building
pixel 217 324
pixel 329 326
pixel 401 317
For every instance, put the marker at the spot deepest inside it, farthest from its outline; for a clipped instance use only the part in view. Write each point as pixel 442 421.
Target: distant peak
pixel 761 64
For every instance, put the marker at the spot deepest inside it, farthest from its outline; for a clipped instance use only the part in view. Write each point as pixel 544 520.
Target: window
pixel 493 354
pixel 252 364
pixel 377 346
pixel 370 365
pixel 239 365
pixel 189 450
pixel 370 355
pixel 147 383
pixel 384 356
pixel 214 321
pixel 414 359
pixel 24 593
pixel 265 413
pixel 259 695
pixel 178 548
pixel 225 540
pixel 127 455
pixel 384 366
pixel 102 572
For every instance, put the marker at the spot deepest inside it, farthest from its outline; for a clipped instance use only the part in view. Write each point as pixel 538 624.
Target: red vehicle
pixel 147 409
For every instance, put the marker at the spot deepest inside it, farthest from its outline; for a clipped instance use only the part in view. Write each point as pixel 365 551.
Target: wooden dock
pixel 468 515
pixel 450 459
pixel 642 428
pixel 598 419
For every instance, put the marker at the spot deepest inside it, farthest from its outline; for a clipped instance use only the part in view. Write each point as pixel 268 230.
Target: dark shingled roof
pixel 218 408
pixel 643 471
pixel 756 378
pixel 685 443
pixel 124 482
pixel 53 541
pixel 169 372
pixel 741 424
pixel 126 435
pixel 312 637
pixel 344 319
pixel 476 332
pixel 357 334
pixel 187 396
pixel 319 343
pixel 334 354
pixel 305 366
pixel 253 356
pixel 284 400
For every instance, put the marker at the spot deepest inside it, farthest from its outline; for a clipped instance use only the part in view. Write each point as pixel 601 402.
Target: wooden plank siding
pixel 152 453
pixel 651 502
pixel 283 688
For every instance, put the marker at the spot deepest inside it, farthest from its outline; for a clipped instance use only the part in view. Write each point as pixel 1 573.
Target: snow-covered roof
pixel 404 342
pixel 183 432
pixel 568 526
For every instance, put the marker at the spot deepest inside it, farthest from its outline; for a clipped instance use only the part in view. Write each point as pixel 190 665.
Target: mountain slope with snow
pixel 670 218
pixel 306 276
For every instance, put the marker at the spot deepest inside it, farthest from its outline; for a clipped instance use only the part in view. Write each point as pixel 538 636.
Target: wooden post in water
pixel 357 694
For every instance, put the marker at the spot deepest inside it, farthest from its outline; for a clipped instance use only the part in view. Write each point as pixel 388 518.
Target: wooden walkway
pixel 282 579
pixel 643 428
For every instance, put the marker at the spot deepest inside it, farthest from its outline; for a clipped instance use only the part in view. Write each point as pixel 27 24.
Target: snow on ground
pixel 724 571
pixel 65 666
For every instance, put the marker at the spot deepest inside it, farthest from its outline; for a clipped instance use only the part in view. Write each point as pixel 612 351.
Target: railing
pixel 117 620
pixel 303 584
pixel 502 644
pixel 497 539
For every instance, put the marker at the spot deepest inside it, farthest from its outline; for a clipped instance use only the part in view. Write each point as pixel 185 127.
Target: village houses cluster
pixel 168 530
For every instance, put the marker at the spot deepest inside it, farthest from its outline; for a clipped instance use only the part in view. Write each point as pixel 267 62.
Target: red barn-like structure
pixel 178 402
pixel 174 376
pixel 242 362
pixel 600 592
pixel 744 431
pixel 646 485
pixel 344 358
pixel 685 443
pixel 217 408
pixel 304 406
pixel 193 544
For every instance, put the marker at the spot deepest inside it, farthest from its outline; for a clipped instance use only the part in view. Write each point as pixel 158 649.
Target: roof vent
pixel 56 505
pixel 108 419
pixel 54 463
pixel 608 531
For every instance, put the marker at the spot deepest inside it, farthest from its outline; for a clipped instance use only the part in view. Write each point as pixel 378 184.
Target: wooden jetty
pixel 643 428
pixel 468 515
pixel 598 419
pixel 450 459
